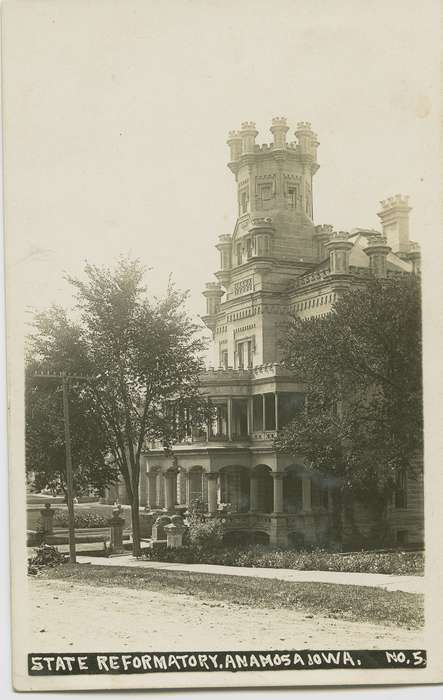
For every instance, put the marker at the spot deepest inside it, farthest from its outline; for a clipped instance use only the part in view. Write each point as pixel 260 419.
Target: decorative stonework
pixel 243 286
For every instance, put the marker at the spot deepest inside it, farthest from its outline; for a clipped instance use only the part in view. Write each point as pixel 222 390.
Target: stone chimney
pixel 394 216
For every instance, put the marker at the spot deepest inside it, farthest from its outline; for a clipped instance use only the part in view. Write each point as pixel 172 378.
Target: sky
pixel 117 115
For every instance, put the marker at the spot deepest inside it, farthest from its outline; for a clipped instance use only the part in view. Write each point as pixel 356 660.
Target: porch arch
pixel 234 487
pixel 262 489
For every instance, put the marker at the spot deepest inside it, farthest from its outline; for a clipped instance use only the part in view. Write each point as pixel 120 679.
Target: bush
pixel 399 563
pixel 202 532
pixel 82 519
pixel 45 556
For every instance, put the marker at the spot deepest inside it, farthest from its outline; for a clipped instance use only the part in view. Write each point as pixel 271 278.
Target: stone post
pixel 276 410
pixel 174 536
pixel 116 524
pixel 47 519
pixel 253 494
pixel 212 492
pixel 278 491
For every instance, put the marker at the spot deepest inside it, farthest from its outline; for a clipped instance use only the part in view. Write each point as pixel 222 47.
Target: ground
pixel 70 615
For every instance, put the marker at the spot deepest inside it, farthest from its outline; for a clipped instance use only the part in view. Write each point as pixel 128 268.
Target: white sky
pixel 117 116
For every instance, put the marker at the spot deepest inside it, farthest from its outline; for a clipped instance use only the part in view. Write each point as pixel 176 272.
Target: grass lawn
pixel 357 603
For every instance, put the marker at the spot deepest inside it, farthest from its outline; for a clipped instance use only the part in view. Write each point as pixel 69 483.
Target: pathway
pixel 409 584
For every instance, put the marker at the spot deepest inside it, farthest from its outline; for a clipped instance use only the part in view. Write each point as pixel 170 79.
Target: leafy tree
pixel 56 345
pixel 143 357
pixel 362 422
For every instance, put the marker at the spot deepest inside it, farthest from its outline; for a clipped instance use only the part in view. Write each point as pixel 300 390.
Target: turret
pixel 307 140
pixel 213 294
pixel 235 146
pixel 322 234
pixel 394 216
pixel 224 246
pixel 377 251
pixel 248 134
pixel 338 248
pixel 279 129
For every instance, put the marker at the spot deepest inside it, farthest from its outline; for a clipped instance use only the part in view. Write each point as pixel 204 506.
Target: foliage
pixel 143 359
pixel 82 519
pixel 260 556
pixel 203 533
pixel 355 603
pixel 45 556
pixel 56 344
pixel 361 366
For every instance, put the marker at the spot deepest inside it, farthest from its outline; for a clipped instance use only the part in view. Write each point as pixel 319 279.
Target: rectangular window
pixel 224 359
pixel 239 254
pixel 240 356
pixel 292 196
pixel 244 201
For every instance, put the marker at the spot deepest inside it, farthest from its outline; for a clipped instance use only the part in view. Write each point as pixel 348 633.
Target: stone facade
pixel 277 262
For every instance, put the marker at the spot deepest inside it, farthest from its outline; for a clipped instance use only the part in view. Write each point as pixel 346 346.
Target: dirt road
pixel 71 617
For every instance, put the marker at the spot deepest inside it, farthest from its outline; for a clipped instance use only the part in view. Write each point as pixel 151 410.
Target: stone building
pixel 276 262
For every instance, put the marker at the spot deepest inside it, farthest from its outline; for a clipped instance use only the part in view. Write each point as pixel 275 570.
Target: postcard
pixel 224 333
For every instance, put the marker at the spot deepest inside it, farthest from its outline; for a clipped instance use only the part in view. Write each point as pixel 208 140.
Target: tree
pixel 144 359
pixel 362 423
pixel 56 345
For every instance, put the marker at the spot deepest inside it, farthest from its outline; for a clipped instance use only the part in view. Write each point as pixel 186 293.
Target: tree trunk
pixel 135 515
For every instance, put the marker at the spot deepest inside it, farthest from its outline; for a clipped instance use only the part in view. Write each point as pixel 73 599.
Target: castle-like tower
pixel 276 263
pixel 274 241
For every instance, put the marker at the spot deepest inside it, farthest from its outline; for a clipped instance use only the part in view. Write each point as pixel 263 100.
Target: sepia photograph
pixel 223 338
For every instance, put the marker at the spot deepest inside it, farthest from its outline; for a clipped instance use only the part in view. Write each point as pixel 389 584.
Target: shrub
pixel 261 556
pixel 82 519
pixel 203 532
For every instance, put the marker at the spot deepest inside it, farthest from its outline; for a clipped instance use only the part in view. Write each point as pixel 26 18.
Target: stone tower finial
pixel 279 130
pixel 235 144
pixel 307 139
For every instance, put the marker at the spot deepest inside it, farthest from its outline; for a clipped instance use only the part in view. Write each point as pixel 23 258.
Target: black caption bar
pixel 204 661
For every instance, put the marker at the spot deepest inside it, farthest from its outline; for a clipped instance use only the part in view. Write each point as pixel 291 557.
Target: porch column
pixel 212 492
pixel 249 416
pixel 142 486
pixel 306 494
pixel 169 490
pixel 229 419
pixel 187 478
pixel 278 491
pixel 253 494
pixel 264 412
pixel 276 410
pixel 152 490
